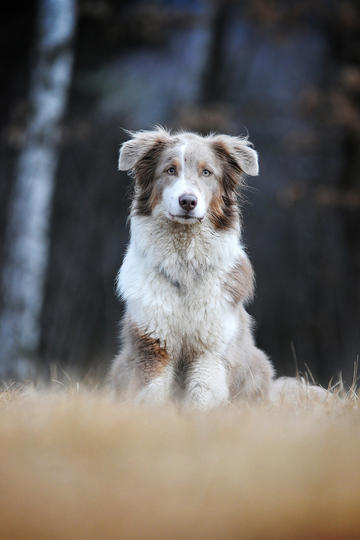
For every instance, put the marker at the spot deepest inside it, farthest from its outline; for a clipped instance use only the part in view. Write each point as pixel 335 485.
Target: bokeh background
pixel 287 73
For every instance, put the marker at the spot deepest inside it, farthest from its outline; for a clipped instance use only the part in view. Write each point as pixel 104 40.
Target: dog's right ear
pixel 133 150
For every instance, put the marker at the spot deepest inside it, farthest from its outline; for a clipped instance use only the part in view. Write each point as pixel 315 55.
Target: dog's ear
pixel 141 142
pixel 240 151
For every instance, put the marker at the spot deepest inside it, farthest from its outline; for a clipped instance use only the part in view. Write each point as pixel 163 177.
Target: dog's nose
pixel 187 201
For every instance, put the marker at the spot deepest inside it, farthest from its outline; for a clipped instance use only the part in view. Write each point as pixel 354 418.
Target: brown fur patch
pixel 201 166
pixel 223 206
pixel 240 282
pixel 187 356
pixel 145 168
pixel 155 196
pixel 150 356
pixel 176 165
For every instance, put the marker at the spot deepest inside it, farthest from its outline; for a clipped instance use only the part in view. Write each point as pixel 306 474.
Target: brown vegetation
pixel 74 464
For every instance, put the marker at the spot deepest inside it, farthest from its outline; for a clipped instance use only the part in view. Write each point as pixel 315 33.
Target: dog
pixel 186 277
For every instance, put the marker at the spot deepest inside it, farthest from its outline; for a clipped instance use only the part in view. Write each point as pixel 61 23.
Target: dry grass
pixel 76 465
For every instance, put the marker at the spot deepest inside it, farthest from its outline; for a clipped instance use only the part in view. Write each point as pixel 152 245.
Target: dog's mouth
pixel 185 218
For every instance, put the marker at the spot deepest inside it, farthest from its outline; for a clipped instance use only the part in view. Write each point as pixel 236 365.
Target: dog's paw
pixel 151 396
pixel 203 398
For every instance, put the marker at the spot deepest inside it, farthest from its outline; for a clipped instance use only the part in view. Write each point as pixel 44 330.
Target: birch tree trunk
pixel 27 235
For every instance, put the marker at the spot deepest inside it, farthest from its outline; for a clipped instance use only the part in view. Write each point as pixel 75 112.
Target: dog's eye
pixel 206 172
pixel 171 170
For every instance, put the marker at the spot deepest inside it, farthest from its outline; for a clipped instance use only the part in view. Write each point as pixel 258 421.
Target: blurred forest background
pixel 288 72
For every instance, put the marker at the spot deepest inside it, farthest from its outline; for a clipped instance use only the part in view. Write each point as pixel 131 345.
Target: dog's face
pixel 186 177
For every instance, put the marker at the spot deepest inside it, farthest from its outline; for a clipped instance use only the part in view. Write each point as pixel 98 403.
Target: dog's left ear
pixel 240 150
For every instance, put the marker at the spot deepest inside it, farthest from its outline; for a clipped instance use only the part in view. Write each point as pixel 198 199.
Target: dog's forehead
pixel 191 148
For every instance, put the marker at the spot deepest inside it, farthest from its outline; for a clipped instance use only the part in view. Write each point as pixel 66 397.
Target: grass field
pixel 76 465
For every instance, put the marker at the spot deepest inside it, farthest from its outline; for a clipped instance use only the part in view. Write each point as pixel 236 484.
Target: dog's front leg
pixel 157 390
pixel 152 368
pixel 206 383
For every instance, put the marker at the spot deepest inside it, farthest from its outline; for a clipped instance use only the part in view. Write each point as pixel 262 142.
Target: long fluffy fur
pixel 186 334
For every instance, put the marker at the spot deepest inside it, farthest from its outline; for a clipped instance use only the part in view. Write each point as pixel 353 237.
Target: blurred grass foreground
pixel 74 464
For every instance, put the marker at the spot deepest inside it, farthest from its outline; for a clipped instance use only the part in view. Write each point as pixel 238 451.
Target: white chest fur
pixel 172 280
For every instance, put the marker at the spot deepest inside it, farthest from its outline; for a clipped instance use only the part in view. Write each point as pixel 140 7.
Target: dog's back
pixel 186 278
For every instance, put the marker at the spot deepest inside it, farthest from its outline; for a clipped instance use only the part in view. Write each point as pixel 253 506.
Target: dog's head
pixel 186 177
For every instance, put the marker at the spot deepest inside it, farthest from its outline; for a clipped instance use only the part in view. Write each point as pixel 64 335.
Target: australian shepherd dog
pixel 186 277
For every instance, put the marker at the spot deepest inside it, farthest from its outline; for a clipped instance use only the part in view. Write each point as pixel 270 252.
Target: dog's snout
pixel 188 201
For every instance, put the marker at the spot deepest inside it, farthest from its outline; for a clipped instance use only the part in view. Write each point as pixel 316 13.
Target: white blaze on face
pixel 185 183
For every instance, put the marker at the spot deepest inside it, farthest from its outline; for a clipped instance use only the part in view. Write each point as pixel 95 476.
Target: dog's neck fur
pixel 182 252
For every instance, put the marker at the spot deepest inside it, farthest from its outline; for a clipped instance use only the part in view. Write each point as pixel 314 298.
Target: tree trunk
pixel 213 84
pixel 27 238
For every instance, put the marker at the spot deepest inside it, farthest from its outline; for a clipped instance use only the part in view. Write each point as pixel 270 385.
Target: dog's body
pixel 186 277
